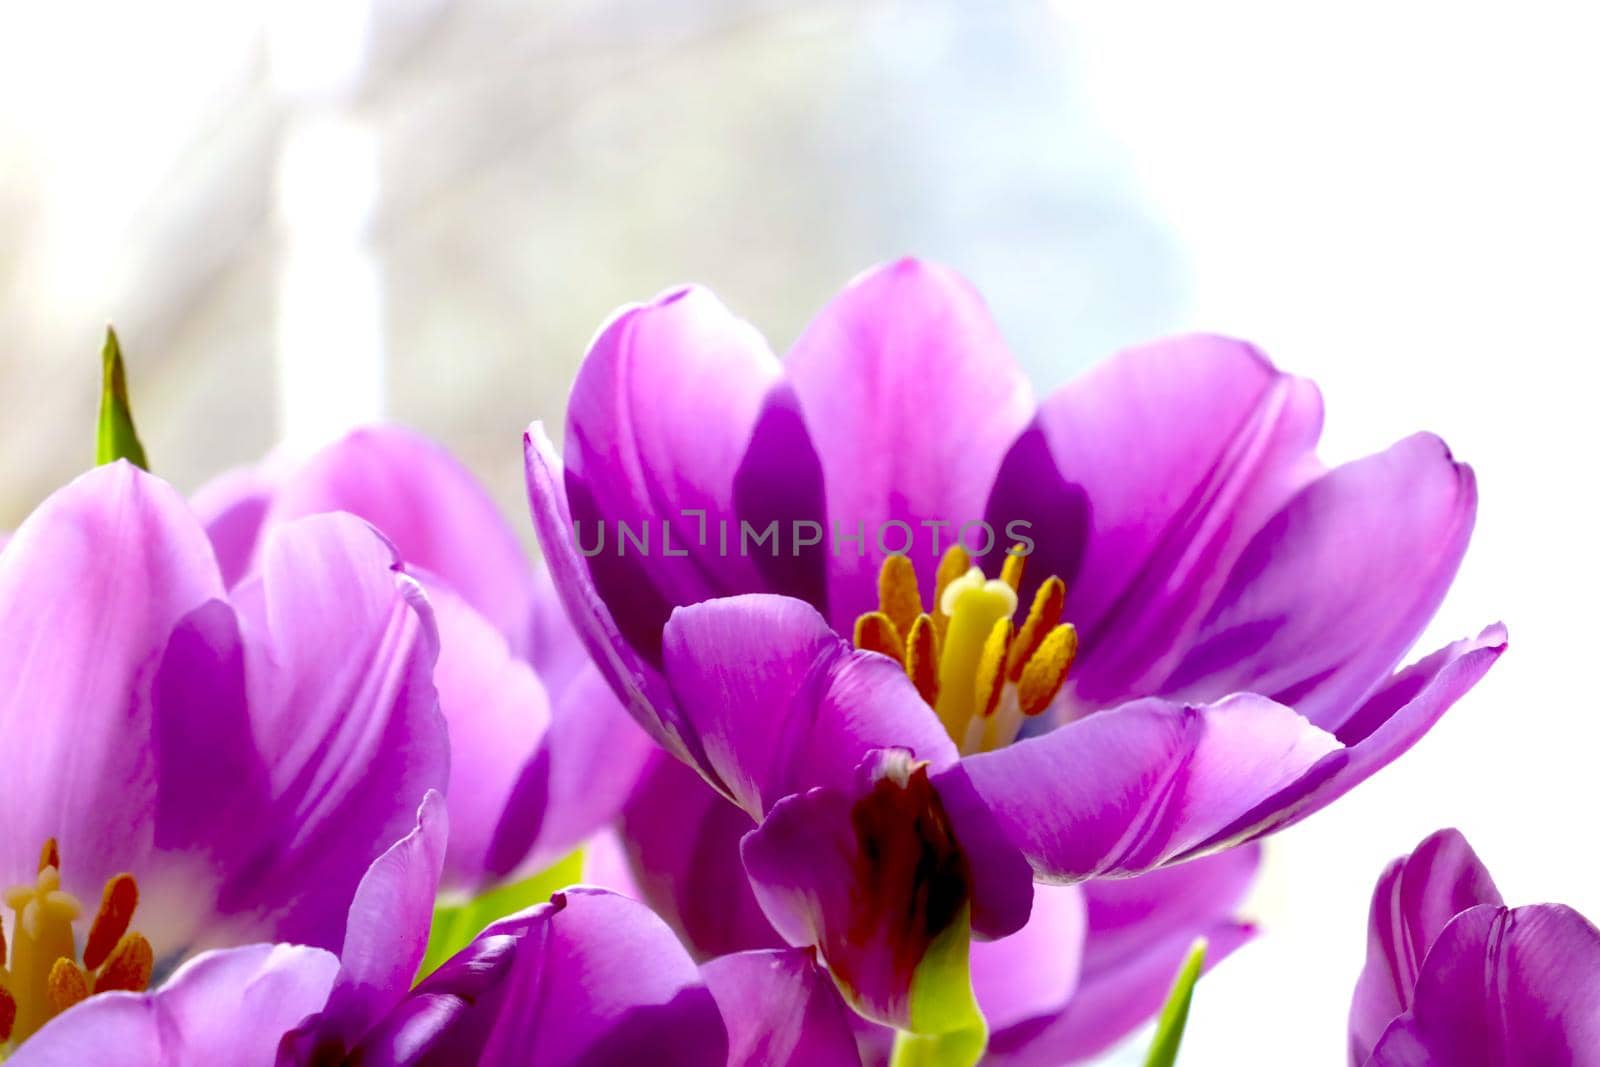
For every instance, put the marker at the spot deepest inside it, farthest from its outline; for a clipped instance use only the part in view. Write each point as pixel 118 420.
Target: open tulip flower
pixel 1455 977
pixel 940 641
pixel 194 768
pixel 541 751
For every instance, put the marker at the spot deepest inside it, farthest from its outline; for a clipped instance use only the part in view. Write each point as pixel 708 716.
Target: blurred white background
pixel 304 214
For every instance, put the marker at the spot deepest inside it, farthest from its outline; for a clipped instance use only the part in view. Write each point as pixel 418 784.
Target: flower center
pixel 981 673
pixel 43 976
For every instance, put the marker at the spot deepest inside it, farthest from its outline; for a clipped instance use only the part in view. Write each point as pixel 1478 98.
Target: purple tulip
pixel 193 767
pixel 591 979
pixel 1455 977
pixel 236 1005
pixel 541 752
pixel 1093 962
pixel 1212 623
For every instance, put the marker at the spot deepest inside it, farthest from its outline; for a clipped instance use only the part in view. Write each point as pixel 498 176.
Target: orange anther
pixel 1011 570
pixel 991 675
pixel 128 966
pixel 922 659
pixel 1046 671
pixel 121 896
pixel 66 985
pixel 876 633
pixel 898 597
pixel 1043 615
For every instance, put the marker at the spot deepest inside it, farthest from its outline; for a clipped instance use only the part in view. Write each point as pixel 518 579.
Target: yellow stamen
pixel 974 604
pixel 128 967
pixel 876 632
pixel 1042 617
pixel 1046 671
pixel 66 985
pixel 1011 569
pixel 991 667
pixel 43 976
pixel 953 565
pixel 967 658
pixel 898 597
pixel 922 659
pixel 41 935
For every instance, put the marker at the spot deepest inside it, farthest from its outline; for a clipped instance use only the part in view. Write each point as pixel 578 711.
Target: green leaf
pixel 947 1027
pixel 116 438
pixel 1175 1015
pixel 455 925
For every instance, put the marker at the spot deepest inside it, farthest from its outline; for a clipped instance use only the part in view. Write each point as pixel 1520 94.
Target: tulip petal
pixel 1111 1004
pixel 233 506
pixel 682 843
pixel 340 648
pixel 498 716
pixel 912 398
pixel 1334 589
pixel 1128 915
pixel 781 1011
pixel 229 1006
pixel 1126 790
pixel 1139 931
pixel 781 703
pixel 1035 970
pixel 1145 479
pixel 577 780
pixel 387 931
pixel 636 682
pixel 91 587
pixel 438 516
pixel 878 876
pixel 1416 898
pixel 659 421
pixel 1375 735
pixel 591 979
pixel 1503 988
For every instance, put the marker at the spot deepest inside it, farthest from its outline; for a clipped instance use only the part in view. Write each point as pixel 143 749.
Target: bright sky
pixel 1399 200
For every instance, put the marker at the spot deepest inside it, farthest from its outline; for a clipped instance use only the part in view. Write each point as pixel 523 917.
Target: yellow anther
pixel 1043 615
pixel 1046 670
pixel 980 671
pixel 898 597
pixel 922 659
pixel 876 633
pixel 66 985
pixel 1011 569
pixel 128 967
pixel 50 854
pixel 991 668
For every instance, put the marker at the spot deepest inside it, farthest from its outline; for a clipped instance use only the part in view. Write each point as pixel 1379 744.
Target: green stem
pixel 958 1048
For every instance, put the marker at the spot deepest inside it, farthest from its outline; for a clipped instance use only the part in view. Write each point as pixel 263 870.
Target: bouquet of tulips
pixel 864 708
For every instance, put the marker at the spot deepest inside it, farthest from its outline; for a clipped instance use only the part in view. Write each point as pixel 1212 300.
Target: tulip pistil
pixel 968 658
pixel 42 976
